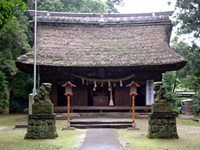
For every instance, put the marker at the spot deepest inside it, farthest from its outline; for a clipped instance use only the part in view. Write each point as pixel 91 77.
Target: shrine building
pixel 101 54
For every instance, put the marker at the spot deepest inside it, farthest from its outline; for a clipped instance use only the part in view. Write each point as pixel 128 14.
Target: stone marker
pixel 162 120
pixel 41 123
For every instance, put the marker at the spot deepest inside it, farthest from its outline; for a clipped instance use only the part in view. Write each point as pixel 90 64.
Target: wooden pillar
pixel 133 111
pixel 68 109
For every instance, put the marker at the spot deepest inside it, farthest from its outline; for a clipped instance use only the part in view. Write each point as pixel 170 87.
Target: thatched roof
pixel 108 40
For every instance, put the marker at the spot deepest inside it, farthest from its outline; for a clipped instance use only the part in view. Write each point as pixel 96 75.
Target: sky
pixel 145 6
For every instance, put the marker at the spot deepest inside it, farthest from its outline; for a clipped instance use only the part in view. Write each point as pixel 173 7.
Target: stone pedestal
pixel 162 121
pixel 43 108
pixel 41 126
pixel 42 121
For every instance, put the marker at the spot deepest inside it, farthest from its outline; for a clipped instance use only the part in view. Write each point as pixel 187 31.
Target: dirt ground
pixel 189 129
pixel 3 128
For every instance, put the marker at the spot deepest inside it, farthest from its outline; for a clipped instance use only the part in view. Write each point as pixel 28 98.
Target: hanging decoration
pixel 95 84
pixel 101 84
pixel 108 83
pixel 120 82
pixel 82 81
pixel 102 81
pixel 111 103
pixel 94 89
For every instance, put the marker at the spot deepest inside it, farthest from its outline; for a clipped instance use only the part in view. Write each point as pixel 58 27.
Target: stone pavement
pixel 101 139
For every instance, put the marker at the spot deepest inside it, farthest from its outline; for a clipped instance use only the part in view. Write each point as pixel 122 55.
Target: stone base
pixel 41 126
pixel 162 125
pixel 42 108
pixel 162 106
pixel 133 128
pixel 68 128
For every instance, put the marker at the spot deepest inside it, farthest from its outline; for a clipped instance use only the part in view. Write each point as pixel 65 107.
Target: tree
pixel 50 5
pixel 7 11
pixel 14 41
pixel 111 4
pixel 188 78
pixel 4 94
pixel 170 81
pixel 77 6
pixel 85 6
pixel 188 17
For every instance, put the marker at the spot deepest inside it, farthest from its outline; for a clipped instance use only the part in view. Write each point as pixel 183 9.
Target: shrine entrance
pixel 98 96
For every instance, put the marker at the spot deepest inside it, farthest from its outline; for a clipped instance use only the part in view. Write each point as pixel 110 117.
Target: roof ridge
pixel 97 18
pixel 69 14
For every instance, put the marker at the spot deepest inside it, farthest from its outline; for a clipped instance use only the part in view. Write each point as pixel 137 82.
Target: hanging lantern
pixel 94 89
pixel 68 88
pixel 133 88
pixel 109 88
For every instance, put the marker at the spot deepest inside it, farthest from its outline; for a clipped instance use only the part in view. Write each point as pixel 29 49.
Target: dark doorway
pixel 140 98
pixel 61 98
pixel 98 96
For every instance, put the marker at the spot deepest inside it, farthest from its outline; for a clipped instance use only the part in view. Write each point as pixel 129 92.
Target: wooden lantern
pixel 133 92
pixel 68 92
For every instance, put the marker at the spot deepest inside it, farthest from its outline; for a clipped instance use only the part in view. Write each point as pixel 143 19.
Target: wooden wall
pixel 121 96
pixel 80 96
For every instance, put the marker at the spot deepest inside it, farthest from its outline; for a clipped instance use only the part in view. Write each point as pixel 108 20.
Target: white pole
pixel 35 50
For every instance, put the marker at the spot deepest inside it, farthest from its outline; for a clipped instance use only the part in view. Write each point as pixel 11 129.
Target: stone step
pixel 85 126
pixel 100 122
pixel 63 116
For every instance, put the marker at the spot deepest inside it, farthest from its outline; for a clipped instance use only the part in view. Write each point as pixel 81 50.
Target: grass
pixel 13 139
pixel 137 140
pixel 12 120
pixel 187 122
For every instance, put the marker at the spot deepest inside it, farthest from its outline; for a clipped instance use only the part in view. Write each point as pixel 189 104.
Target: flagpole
pixel 35 50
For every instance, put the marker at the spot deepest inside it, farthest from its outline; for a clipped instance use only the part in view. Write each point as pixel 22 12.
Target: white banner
pixel 149 92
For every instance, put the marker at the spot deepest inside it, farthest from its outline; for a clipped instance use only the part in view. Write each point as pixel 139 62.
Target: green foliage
pixel 85 6
pixel 14 41
pixel 185 75
pixel 111 4
pixel 189 16
pixel 8 9
pixel 4 94
pixel 50 5
pixel 170 80
pixel 77 6
pixel 189 76
pixel 196 104
pixel 22 84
